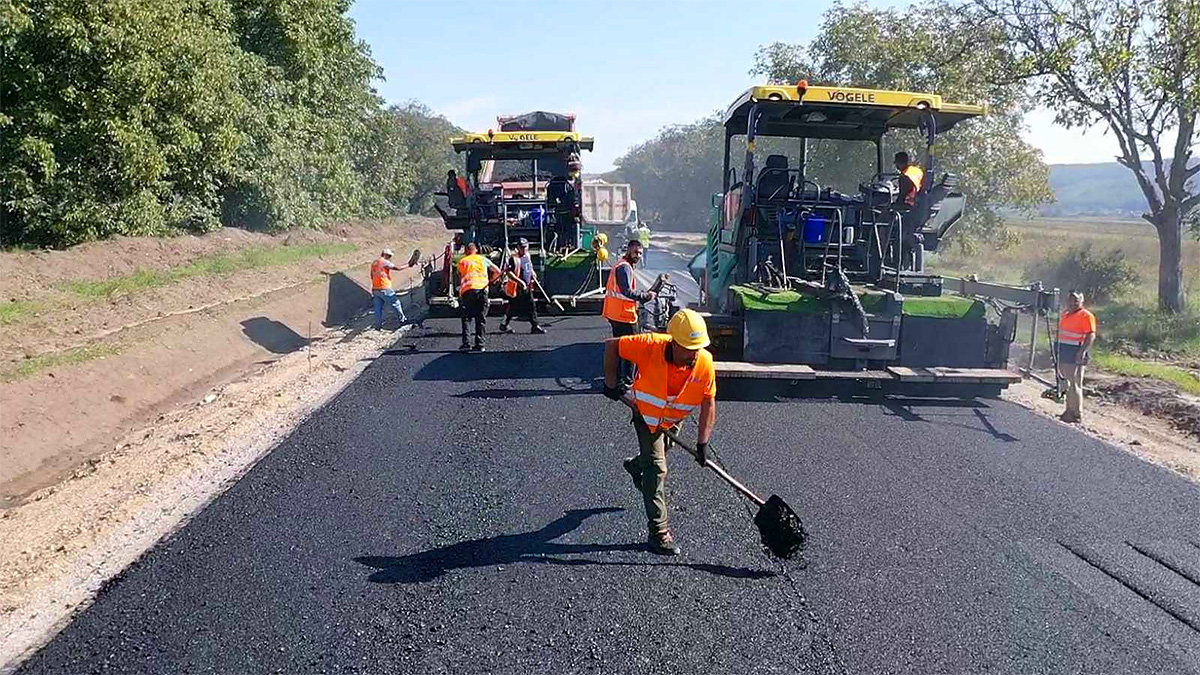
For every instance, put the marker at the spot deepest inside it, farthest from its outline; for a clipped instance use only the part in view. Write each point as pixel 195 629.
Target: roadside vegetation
pixel 44 362
pixel 17 310
pixel 154 117
pixel 1114 261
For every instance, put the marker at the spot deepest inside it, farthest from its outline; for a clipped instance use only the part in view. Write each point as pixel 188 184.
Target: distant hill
pixel 1107 189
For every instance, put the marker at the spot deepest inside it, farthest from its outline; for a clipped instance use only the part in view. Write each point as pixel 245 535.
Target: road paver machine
pixel 524 181
pixel 806 281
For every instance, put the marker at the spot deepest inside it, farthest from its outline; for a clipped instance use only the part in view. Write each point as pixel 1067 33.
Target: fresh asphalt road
pixel 467 513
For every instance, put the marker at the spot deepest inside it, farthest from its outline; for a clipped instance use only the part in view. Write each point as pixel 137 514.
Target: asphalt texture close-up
pixel 468 513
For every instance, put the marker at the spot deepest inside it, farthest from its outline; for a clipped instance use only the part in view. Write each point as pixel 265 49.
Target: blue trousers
pixel 383 297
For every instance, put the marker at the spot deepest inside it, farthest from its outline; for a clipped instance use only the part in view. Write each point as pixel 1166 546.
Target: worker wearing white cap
pixel 381 287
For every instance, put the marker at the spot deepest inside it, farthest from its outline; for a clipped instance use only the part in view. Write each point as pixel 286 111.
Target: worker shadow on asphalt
pixel 905 409
pixel 536 547
pixel 272 335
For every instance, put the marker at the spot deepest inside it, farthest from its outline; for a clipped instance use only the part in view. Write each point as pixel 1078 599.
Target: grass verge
pixel 17 310
pixel 69 357
pixel 1120 364
pixel 205 266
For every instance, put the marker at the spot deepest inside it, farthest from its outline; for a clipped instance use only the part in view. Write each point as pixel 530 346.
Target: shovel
pixel 778 525
pixel 414 258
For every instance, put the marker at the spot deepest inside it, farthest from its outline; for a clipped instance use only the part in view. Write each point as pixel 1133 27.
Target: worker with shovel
pixel 675 377
pixel 382 292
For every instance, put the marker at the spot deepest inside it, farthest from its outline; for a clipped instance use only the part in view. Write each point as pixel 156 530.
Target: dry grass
pixel 1127 323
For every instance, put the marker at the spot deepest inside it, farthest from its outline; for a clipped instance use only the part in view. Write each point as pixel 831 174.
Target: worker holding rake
pixel 675 377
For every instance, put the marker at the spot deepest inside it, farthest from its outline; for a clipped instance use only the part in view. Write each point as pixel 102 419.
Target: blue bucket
pixel 814 230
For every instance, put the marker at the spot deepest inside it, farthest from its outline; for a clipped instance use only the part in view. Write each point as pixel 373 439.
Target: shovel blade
pixel 781 530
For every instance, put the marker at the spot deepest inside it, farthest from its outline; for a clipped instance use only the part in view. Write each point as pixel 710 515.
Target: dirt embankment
pixel 104 338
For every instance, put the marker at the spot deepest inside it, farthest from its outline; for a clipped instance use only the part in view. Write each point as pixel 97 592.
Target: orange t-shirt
pixel 641 348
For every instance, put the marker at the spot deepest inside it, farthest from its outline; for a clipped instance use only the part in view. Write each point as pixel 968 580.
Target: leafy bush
pixel 1099 275
pixel 146 117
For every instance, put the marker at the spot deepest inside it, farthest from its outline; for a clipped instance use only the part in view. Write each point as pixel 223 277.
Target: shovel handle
pixel 708 463
pixel 549 299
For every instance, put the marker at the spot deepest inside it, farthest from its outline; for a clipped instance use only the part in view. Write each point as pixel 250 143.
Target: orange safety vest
pixel 381 276
pixel 617 306
pixel 650 388
pixel 915 174
pixel 462 185
pixel 1074 327
pixel 510 286
pixel 472 273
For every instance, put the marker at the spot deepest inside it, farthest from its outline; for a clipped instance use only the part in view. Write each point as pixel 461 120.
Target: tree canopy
pixel 1133 68
pixel 151 116
pixel 876 48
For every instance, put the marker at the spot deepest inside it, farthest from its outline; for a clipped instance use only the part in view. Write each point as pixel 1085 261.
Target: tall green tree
pixel 428 153
pixel 144 117
pixel 1131 67
pixel 943 53
pixel 116 117
pixel 675 174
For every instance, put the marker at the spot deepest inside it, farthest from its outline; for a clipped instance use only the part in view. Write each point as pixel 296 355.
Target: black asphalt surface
pixel 467 513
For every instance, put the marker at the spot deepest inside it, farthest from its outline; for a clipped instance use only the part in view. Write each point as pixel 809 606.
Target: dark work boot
pixel 663 543
pixel 504 328
pixel 634 471
pixel 537 330
pixel 465 346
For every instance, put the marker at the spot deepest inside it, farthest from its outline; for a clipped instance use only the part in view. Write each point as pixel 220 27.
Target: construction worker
pixel 382 292
pixel 475 274
pixel 911 178
pixel 1076 333
pixel 621 299
pixel 518 286
pixel 675 377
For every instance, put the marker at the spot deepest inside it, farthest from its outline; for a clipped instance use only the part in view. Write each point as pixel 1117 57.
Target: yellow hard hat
pixel 602 254
pixel 602 238
pixel 688 329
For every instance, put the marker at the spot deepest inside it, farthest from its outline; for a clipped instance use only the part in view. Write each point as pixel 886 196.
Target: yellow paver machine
pixel 814 266
pixel 524 182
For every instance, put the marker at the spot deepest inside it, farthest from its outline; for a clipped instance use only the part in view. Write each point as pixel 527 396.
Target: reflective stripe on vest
pixel 617 306
pixel 1074 327
pixel 381 276
pixel 472 273
pixel 650 388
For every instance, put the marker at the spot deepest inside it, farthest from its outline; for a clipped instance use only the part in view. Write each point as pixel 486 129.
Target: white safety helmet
pixel 387 253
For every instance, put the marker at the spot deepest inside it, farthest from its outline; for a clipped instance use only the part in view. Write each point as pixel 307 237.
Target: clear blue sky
pixel 627 68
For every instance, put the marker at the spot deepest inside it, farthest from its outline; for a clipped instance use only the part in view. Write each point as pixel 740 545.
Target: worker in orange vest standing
pixel 675 377
pixel 382 292
pixel 475 274
pixel 621 299
pixel 519 282
pixel 1076 333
